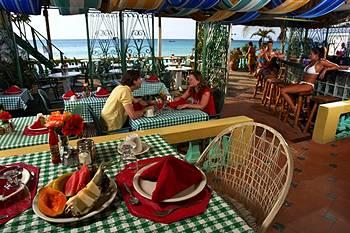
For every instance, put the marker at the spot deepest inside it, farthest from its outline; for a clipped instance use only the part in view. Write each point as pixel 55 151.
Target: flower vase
pixel 66 150
pixel 54 147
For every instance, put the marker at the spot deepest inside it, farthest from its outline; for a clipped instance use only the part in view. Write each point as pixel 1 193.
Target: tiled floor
pixel 318 200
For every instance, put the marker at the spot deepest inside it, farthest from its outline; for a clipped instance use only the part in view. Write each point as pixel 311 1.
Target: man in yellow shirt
pixel 119 105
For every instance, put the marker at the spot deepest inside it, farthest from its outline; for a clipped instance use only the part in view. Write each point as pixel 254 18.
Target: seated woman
pixel 316 69
pixel 201 95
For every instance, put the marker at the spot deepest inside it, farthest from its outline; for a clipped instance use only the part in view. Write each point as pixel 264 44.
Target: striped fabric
pixel 137 4
pixel 323 8
pixel 253 5
pixel 220 15
pixel 287 6
pixel 247 17
pixel 194 4
pixel 71 7
pixel 29 7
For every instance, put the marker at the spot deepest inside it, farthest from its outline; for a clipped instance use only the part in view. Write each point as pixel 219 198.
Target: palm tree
pixel 264 34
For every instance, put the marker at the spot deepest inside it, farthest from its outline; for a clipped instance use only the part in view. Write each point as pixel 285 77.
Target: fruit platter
pixel 75 196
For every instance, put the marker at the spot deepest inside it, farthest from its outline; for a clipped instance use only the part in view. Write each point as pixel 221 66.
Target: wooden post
pixel 153 45
pixel 196 48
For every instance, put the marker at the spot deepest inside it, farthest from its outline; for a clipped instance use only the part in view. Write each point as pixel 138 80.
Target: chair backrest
pixel 250 163
pixel 96 120
pixel 219 100
pixel 44 101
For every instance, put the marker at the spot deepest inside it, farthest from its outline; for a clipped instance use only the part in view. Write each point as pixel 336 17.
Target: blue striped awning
pixel 247 17
pixel 28 7
pixel 323 8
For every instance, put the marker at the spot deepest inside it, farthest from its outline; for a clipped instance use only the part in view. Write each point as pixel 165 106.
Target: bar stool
pixel 272 89
pixel 302 104
pixel 259 85
pixel 317 101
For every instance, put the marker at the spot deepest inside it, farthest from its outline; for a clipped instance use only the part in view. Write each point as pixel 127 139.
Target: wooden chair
pixel 317 101
pixel 249 164
pixel 46 104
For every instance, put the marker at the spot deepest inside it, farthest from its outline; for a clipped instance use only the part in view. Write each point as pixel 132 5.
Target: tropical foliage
pixel 263 34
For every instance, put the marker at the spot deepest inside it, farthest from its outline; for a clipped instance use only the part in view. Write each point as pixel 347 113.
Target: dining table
pixel 16 101
pixel 177 74
pixel 17 139
pixel 168 117
pixel 218 217
pixel 151 88
pixel 96 103
pixel 66 77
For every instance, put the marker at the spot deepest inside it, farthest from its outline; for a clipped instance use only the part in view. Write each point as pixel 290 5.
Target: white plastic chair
pixel 250 166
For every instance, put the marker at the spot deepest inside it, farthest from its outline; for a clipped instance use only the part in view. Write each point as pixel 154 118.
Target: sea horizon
pixel 77 48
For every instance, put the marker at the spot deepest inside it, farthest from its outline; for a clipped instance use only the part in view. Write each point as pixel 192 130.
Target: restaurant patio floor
pixel 318 199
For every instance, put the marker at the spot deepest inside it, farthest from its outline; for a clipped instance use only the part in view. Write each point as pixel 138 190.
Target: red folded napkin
pixel 29 132
pixel 14 204
pixel 192 207
pixel 138 106
pixel 69 94
pixel 172 175
pixel 152 78
pixel 103 92
pixel 13 90
pixel 174 104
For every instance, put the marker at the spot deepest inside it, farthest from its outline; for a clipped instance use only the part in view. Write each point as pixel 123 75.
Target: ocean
pixel 179 47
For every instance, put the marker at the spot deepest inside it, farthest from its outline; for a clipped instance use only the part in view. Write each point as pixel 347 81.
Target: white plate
pixel 24 180
pixel 145 188
pixel 36 210
pixel 145 148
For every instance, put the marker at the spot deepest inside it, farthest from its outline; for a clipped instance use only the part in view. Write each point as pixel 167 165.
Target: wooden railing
pixel 173 134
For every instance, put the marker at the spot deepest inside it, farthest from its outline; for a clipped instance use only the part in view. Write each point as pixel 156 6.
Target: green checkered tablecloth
pixel 16 102
pixel 95 103
pixel 116 218
pixel 17 139
pixel 148 88
pixel 168 117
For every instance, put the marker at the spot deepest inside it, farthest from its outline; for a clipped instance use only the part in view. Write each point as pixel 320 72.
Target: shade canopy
pixel 254 12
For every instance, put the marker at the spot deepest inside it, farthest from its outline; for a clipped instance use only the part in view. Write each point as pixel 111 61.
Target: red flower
pixel 5 116
pixel 73 126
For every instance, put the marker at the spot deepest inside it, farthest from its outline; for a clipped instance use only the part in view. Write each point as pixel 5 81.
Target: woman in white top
pixel 316 69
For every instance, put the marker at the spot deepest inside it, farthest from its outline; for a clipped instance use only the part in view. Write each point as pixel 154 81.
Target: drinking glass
pixel 127 149
pixel 15 196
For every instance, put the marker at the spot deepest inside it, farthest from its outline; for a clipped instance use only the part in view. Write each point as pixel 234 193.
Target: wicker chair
pixel 250 166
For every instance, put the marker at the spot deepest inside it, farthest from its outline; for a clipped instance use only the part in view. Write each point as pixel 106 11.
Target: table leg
pixel 66 85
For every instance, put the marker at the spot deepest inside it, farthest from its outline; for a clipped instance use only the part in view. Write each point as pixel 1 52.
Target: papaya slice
pixel 51 202
pixel 60 182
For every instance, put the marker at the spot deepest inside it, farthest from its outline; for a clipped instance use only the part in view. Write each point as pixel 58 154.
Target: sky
pixel 73 27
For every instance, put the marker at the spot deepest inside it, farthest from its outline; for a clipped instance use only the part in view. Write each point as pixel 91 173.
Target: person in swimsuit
pixel 316 69
pixel 251 57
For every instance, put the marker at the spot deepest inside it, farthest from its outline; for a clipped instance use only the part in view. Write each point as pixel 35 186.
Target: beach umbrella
pixel 286 7
pixel 323 8
pixel 247 17
pixel 28 7
pixel 71 7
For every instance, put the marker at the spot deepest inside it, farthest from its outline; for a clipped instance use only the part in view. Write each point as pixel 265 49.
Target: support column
pixel 122 42
pixel 196 48
pixel 89 51
pixel 49 42
pixel 159 36
pixel 228 57
pixel 153 48
pixel 326 41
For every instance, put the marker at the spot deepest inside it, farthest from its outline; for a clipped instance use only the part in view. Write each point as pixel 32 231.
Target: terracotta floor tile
pixel 341 209
pixel 340 227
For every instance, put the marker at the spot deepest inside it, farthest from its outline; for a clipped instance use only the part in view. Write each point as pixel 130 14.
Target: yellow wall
pixel 327 121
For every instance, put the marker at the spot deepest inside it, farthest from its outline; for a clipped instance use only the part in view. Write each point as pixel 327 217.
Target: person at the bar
pixel 119 105
pixel 200 93
pixel 316 69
